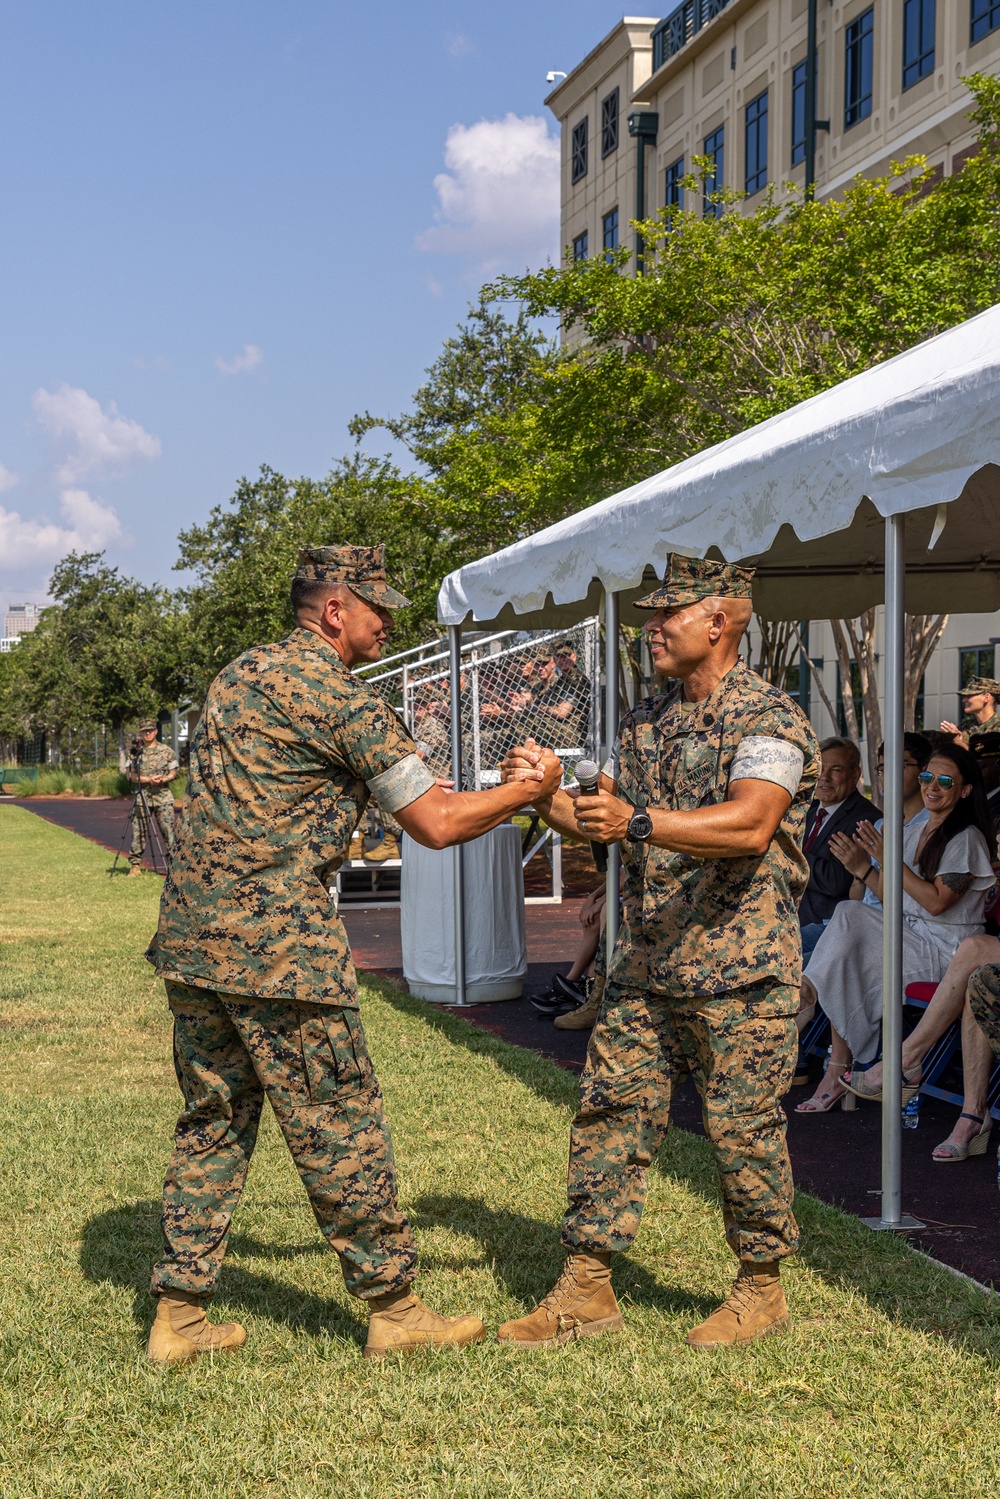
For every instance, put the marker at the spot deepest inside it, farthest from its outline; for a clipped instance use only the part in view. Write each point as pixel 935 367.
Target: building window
pixel 799 112
pixel 580 246
pixel 919 17
pixel 674 194
pixel 859 41
pixel 609 124
pixel 579 151
pixel 756 143
pixel 974 661
pixel 715 145
pixel 984 17
pixel 609 230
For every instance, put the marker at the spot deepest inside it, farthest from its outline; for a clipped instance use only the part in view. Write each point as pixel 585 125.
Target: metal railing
pixel 677 29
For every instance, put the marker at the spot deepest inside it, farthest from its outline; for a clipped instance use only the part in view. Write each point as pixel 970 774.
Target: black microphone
pixel 587 773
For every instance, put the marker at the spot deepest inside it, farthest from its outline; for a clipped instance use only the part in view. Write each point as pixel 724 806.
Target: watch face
pixel 641 825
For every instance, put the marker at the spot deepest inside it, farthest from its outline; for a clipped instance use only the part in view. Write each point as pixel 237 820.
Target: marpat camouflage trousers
pixel 984 1001
pixel 741 1050
pixel 312 1063
pixel 161 806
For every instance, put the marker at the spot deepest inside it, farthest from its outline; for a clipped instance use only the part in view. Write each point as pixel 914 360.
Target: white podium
pixel 496 955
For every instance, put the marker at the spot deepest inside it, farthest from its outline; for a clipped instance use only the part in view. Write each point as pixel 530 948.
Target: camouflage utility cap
pixel 361 568
pixel 688 579
pixel 147 725
pixel 981 684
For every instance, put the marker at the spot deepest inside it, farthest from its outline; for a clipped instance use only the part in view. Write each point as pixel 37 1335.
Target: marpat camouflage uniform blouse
pixel 288 752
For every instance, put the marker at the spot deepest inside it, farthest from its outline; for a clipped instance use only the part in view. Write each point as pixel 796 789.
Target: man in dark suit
pixel 838 808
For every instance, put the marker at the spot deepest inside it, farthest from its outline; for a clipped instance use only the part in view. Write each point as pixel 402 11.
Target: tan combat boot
pixel 181 1331
pixel 585 1018
pixel 400 1323
pixel 135 871
pixel 581 1304
pixel 756 1307
pixel 385 848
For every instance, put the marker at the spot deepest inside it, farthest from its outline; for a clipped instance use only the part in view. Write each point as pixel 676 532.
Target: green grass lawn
pixel 887 1383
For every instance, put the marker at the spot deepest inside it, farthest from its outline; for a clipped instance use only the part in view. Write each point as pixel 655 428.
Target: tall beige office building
pixel 20 619
pixel 728 79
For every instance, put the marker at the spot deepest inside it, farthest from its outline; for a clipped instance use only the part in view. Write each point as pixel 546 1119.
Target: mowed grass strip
pixel 887 1382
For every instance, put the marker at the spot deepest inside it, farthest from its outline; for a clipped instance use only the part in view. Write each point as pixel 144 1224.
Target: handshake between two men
pixel 596 813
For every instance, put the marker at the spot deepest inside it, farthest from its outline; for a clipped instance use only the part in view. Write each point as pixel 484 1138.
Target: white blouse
pixel 966 853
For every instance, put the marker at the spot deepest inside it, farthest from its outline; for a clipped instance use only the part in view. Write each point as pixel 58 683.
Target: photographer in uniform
pixel 707 794
pixel 288 752
pixel 153 766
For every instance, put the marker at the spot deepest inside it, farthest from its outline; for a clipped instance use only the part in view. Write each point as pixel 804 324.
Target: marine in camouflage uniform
pixel 560 709
pixel 703 979
pixel 153 768
pixel 984 1002
pixel 988 690
pixel 289 750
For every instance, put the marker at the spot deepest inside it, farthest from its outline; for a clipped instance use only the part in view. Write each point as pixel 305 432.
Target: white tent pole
pixel 458 853
pixel 892 890
pixel 610 734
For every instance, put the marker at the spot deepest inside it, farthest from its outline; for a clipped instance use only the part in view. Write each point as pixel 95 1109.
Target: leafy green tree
pixel 107 651
pixel 245 554
pixel 736 318
pixel 473 428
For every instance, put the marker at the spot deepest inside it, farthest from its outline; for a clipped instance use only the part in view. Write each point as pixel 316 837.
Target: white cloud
pixel 89 438
pixel 7 479
pixel 88 526
pixel 457 44
pixel 498 202
pixel 243 363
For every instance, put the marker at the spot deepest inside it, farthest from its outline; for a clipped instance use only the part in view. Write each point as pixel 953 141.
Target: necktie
pixel 820 816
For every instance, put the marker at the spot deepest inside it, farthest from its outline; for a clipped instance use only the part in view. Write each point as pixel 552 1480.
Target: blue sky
pixel 227 227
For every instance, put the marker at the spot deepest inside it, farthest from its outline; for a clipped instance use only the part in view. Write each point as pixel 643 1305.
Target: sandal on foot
pixel 832 1096
pixel 854 1082
pixel 960 1150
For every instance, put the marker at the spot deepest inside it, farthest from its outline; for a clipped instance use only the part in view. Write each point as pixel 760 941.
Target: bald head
pixel 738 614
pixel 698 642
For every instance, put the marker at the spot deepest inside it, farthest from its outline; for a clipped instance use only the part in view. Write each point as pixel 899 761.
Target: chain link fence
pixel 514 687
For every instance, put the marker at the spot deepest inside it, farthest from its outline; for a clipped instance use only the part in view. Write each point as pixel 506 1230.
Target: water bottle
pixel 911 1113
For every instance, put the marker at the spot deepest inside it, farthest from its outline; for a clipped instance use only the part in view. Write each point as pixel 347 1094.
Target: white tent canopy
pixel 886 487
pixel 802 495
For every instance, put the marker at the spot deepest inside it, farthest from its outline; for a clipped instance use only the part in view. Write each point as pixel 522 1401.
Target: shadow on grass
pixel 913 1292
pixel 120 1247
pixel 527 1257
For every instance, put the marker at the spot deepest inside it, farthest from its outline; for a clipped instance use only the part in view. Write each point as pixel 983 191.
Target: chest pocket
pixel 698 787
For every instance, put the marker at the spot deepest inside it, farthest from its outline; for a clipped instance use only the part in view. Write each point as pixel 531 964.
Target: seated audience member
pixel 972 1129
pixel 838 808
pixel 569 991
pixel 979 704
pixel 947 873
pixel 986 750
pixel 916 753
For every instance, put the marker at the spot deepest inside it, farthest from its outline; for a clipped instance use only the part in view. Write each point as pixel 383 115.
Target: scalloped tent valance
pixel 802 495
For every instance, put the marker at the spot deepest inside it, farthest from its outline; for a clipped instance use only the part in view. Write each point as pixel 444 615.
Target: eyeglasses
pixel 927 779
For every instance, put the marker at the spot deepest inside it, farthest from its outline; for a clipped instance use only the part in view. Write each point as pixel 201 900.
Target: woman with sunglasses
pixel 947 872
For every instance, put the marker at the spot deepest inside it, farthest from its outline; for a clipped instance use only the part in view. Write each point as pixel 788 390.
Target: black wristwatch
pixel 640 825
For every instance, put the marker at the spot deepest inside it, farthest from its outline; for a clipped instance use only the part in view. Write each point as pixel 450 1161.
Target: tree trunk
pixel 778 639
pixel 856 641
pixel 846 683
pixel 923 631
pixel 816 677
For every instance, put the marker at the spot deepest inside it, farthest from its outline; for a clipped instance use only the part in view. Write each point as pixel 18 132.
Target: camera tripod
pixel 140 809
